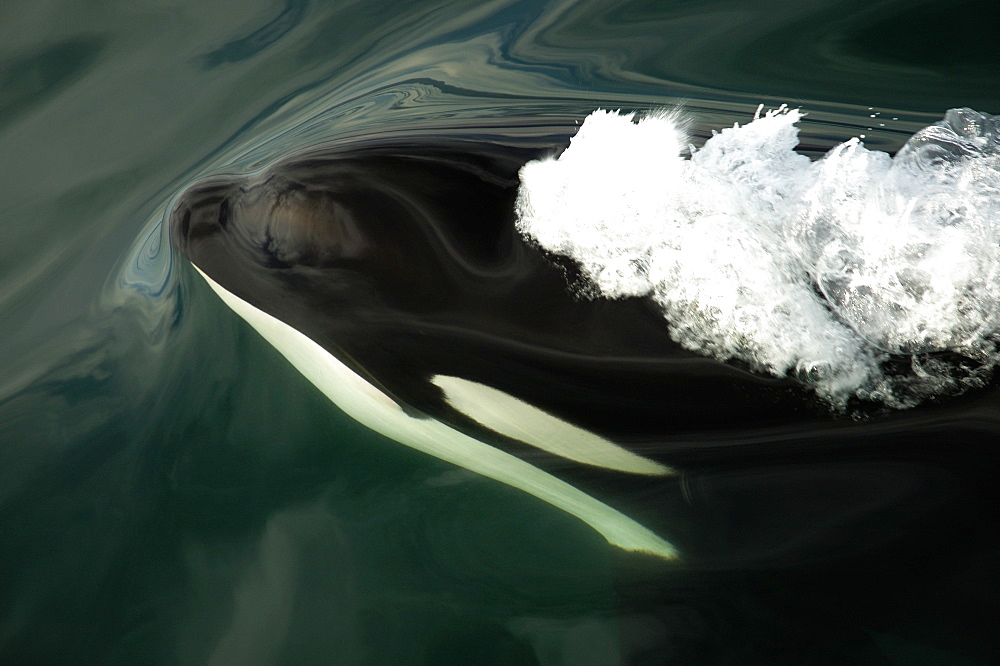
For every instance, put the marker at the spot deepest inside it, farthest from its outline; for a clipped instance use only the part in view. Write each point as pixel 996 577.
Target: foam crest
pixel 865 276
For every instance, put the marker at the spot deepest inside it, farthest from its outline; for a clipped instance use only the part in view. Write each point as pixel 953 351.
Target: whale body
pixel 392 277
pixel 391 274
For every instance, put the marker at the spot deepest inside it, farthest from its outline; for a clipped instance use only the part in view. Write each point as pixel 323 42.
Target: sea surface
pixel 173 491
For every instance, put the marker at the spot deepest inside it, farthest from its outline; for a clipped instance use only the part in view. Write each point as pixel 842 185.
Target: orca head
pixel 260 236
pixel 395 282
pixel 354 231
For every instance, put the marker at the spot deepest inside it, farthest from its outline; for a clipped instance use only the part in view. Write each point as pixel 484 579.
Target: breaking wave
pixel 866 276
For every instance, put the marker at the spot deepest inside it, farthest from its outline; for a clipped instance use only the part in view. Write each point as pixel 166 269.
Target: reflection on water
pixel 170 490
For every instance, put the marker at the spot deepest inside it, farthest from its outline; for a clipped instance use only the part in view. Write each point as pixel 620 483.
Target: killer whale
pixel 391 276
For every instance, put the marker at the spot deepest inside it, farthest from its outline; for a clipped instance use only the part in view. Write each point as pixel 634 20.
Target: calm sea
pixel 172 491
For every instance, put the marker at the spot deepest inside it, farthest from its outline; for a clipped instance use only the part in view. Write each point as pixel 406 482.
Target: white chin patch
pixel 365 403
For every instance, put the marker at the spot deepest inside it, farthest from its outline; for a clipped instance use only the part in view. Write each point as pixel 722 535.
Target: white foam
pixel 851 273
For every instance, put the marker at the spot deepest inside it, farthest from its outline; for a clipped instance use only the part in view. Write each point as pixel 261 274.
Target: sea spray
pixel 866 276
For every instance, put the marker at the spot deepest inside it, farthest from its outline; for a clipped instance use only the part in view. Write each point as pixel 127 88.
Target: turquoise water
pixel 171 491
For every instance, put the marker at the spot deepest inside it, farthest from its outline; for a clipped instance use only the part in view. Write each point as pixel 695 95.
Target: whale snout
pixel 202 210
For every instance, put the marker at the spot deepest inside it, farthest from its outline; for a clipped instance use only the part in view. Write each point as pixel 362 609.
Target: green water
pixel 171 491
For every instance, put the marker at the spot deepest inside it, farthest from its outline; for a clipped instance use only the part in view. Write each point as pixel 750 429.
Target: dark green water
pixel 172 491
